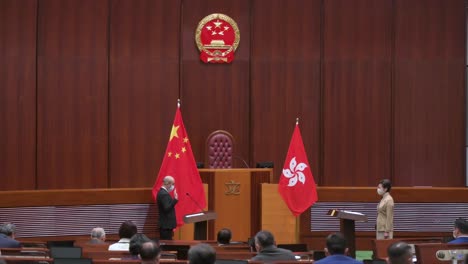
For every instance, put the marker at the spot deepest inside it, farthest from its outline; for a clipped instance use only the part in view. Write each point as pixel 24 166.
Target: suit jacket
pixel 385 214
pixel 7 242
pixel 273 253
pixel 460 240
pixel 338 259
pixel 166 207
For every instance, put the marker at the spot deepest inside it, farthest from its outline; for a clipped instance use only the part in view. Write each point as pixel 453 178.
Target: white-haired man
pixel 98 236
pixel 7 236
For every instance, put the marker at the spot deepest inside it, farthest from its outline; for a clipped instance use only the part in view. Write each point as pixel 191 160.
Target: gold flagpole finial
pixel 297 120
pixel 178 103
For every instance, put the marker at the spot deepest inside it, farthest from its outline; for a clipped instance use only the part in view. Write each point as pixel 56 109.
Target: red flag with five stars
pixel 296 184
pixel 179 163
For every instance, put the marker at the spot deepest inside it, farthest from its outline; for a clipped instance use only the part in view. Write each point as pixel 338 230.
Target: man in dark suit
pixel 336 251
pixel 267 250
pixel 166 207
pixel 460 232
pixel 7 236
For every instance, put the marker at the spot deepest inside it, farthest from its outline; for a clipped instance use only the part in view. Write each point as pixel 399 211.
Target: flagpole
pixel 297 228
pixel 178 103
pixel 297 121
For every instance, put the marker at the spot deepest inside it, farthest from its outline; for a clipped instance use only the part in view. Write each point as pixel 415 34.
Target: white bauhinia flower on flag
pixel 296 184
pixel 295 172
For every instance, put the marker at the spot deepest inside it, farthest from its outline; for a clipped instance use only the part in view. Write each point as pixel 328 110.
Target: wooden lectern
pixel 347 219
pixel 201 223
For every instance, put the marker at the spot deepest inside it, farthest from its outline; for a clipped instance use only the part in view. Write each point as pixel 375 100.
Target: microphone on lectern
pixel 195 202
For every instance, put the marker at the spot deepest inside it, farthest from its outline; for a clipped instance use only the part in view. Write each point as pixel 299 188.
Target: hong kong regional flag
pixel 296 184
pixel 179 163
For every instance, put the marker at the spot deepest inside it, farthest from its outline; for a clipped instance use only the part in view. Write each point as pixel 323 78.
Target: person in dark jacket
pixel 267 250
pixel 166 207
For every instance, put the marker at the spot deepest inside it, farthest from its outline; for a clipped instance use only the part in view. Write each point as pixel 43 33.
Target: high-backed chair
pixel 219 150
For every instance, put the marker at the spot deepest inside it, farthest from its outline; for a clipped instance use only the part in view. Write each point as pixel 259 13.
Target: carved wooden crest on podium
pixel 217 37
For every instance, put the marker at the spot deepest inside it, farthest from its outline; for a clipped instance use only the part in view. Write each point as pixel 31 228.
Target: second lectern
pixel 201 223
pixel 347 226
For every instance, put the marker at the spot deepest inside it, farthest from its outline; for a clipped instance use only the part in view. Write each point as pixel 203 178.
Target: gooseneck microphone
pixel 240 158
pixel 195 202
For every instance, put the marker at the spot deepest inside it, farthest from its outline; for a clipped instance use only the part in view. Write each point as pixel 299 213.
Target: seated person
pixel 336 251
pixel 98 236
pixel 126 231
pixel 7 236
pixel 150 253
pixel 400 253
pixel 201 254
pixel 224 237
pixel 135 245
pixel 267 250
pixel 460 232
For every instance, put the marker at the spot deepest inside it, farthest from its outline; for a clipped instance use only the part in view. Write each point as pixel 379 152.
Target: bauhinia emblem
pixel 295 172
pixel 217 38
pixel 232 188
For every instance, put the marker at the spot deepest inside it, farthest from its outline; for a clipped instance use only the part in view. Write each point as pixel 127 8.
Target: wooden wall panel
pixel 144 87
pixel 18 94
pixel 430 93
pixel 216 96
pixel 285 79
pixel 72 93
pixel 357 92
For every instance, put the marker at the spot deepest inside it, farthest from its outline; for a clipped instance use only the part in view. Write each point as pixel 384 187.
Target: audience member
pixel 136 242
pixel 201 254
pixel 267 250
pixel 224 237
pixel 336 251
pixel 150 253
pixel 98 236
pixel 400 253
pixel 7 236
pixel 460 232
pixel 126 231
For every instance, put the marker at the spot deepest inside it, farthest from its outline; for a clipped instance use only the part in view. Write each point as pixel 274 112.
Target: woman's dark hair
pixel 224 236
pixel 127 229
pixel 386 184
pixel 136 242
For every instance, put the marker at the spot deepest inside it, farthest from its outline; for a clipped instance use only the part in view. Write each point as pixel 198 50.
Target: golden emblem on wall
pixel 232 188
pixel 217 37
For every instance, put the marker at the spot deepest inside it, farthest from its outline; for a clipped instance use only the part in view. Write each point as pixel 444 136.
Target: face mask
pixel 171 188
pixel 454 234
pixel 380 191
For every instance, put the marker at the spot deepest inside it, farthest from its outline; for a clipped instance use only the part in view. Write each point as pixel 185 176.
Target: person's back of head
pixel 98 233
pixel 336 244
pixel 201 254
pixel 150 253
pixel 136 242
pixel 399 253
pixel 264 239
pixel 8 229
pixel 461 227
pixel 127 229
pixel 224 236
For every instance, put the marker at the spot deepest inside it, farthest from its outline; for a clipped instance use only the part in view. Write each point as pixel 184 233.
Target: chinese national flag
pixel 296 184
pixel 179 163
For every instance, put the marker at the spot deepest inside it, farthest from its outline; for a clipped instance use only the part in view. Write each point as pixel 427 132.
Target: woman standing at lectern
pixel 384 225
